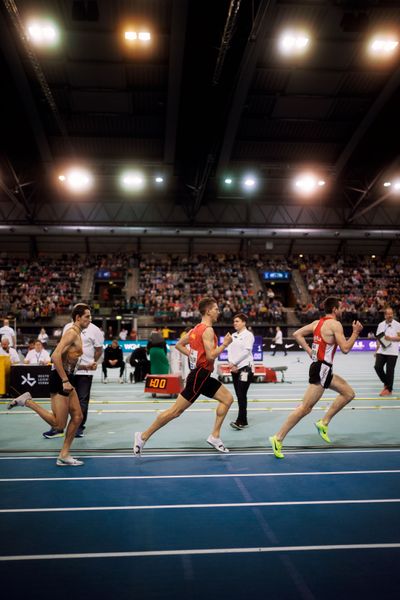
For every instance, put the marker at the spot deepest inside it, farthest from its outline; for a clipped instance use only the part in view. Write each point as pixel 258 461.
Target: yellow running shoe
pixel 323 431
pixel 276 446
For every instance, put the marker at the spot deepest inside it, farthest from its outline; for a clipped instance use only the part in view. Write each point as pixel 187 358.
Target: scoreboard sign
pixel 163 384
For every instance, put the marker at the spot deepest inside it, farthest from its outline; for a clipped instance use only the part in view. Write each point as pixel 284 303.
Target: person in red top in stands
pixel 200 345
pixel 327 336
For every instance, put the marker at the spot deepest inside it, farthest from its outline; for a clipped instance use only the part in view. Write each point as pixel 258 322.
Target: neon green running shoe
pixel 276 446
pixel 323 431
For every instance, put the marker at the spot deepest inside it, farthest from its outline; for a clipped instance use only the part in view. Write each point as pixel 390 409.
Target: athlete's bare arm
pixel 208 339
pixel 337 331
pixel 182 344
pixel 300 336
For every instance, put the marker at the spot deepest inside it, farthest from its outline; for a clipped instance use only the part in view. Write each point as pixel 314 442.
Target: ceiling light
pixel 307 183
pixel 228 180
pixel 142 36
pixel 43 33
pixel 77 179
pixel 159 179
pixel 294 42
pixel 130 35
pixel 387 184
pixel 132 180
pixel 383 46
pixel 249 182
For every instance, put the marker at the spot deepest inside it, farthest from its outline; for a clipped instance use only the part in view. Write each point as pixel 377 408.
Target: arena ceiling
pixel 211 96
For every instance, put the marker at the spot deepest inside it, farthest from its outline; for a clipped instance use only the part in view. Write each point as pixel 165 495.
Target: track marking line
pixel 196 506
pixel 201 476
pixel 199 552
pixel 232 454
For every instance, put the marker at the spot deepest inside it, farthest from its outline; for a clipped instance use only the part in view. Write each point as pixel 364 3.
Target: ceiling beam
pixel 10 54
pixel 380 102
pixel 247 67
pixel 177 47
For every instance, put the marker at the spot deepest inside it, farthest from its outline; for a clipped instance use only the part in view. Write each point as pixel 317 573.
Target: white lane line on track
pixel 208 410
pixel 210 454
pixel 203 551
pixel 197 506
pixel 201 476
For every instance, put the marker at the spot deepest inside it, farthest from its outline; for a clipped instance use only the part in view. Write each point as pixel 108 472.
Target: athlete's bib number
pixel 314 352
pixel 193 359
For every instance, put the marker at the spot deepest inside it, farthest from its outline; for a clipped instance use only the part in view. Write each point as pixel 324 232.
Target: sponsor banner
pixel 30 378
pixel 129 346
pixel 361 345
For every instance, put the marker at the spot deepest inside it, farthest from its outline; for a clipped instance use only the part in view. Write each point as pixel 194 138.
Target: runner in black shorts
pixel 327 334
pixel 199 381
pixel 64 399
pixel 56 384
pixel 203 351
pixel 321 374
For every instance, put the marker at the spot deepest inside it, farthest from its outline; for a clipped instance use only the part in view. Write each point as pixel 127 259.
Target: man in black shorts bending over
pixel 203 351
pixel 64 399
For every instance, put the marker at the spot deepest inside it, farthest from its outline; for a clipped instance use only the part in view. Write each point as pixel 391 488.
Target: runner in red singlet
pixel 327 336
pixel 202 351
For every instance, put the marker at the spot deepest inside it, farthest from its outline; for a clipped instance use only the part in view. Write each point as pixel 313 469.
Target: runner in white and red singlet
pixel 327 336
pixel 200 345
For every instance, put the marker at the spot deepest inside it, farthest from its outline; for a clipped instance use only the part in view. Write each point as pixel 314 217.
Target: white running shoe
pixel 138 444
pixel 120 380
pixel 217 444
pixel 69 462
pixel 19 401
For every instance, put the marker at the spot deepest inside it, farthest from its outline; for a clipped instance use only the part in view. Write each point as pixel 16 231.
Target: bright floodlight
pixel 228 180
pixel 43 33
pixel 387 184
pixel 249 182
pixel 143 36
pixel 159 179
pixel 77 180
pixel 383 46
pixel 396 185
pixel 130 35
pixel 308 183
pixel 293 42
pixel 132 181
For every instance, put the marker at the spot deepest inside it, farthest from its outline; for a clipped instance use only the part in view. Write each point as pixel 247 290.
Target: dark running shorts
pixel 55 383
pixel 199 381
pixel 321 374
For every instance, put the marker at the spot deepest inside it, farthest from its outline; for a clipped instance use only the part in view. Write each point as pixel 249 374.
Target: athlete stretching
pixel 202 353
pixel 327 336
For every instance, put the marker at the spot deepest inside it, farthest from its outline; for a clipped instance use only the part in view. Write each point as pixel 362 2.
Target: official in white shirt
pixel 278 341
pixel 6 350
pixel 92 346
pixel 240 357
pixel 37 356
pixel 388 338
pixel 8 332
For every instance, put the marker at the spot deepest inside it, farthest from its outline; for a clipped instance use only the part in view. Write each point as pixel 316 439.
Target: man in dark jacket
pixel 113 358
pixel 141 363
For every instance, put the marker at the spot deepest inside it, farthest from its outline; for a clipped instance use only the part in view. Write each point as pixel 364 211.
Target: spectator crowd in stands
pixel 171 286
pixel 41 288
pixel 365 286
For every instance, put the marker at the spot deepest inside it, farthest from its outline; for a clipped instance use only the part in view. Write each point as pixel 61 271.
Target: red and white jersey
pixel 321 350
pixel 197 356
